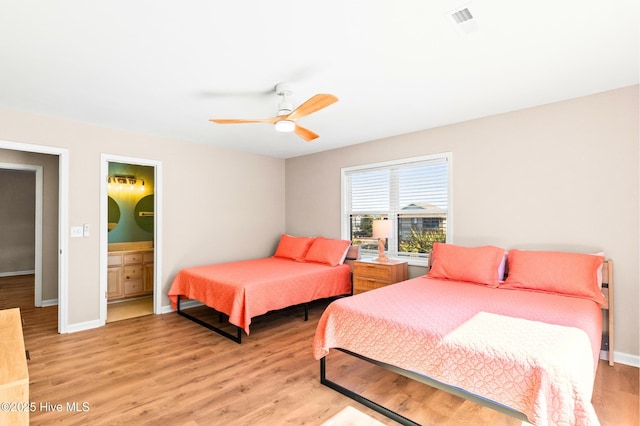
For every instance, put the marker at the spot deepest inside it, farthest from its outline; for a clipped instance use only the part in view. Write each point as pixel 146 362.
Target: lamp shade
pixel 381 228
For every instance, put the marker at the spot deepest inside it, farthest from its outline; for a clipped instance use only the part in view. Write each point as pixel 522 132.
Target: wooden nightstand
pixel 369 274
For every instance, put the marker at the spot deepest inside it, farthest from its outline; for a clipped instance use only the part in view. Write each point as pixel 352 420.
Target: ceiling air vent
pixel 462 16
pixel 463 19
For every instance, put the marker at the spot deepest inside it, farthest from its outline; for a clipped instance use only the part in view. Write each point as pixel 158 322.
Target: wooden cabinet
pixel 129 274
pixel 147 273
pixel 369 274
pixel 14 374
pixel 114 276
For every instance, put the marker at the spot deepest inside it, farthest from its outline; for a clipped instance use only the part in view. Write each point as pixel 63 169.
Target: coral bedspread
pixel 249 288
pixel 533 352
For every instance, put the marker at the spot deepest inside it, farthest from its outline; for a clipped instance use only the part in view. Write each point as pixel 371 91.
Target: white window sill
pixel 412 261
pixel 415 261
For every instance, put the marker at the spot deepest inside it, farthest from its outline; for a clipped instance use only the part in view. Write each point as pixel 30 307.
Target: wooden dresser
pixel 369 274
pixel 129 272
pixel 14 374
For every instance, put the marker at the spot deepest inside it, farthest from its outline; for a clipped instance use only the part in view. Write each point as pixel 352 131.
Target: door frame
pixel 105 159
pixel 63 221
pixel 38 224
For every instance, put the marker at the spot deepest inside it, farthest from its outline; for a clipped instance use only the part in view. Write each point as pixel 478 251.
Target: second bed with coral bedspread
pixel 302 270
pixel 243 290
pixel 535 352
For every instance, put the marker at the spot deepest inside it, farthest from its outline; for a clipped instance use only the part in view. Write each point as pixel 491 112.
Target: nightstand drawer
pixel 360 285
pixel 371 274
pixel 370 270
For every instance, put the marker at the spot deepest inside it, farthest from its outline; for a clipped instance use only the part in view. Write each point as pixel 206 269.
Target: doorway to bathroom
pixel 130 226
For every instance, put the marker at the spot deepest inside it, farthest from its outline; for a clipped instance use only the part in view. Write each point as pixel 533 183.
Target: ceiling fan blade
pixel 241 120
pixel 313 104
pixel 305 134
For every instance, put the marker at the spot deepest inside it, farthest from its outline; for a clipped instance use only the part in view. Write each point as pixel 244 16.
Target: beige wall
pixel 49 164
pixel 218 204
pixel 562 176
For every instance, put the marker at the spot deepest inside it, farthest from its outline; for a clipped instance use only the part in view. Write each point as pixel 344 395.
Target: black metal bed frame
pixel 238 336
pixel 414 376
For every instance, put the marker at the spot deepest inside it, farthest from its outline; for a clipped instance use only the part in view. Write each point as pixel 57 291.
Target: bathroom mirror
pixel 143 213
pixel 113 213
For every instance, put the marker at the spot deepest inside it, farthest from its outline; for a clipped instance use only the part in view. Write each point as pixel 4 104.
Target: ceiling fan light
pixel 285 126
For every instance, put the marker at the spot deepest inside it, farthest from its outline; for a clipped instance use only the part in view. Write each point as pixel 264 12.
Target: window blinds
pixel 398 187
pixel 412 193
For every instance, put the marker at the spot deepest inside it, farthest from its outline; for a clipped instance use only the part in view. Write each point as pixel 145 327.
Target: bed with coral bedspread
pixel 533 352
pixel 246 289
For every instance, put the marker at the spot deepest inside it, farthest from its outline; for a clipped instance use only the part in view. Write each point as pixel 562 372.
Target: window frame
pixel 392 242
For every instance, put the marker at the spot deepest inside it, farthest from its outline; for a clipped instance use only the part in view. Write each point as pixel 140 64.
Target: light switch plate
pixel 85 230
pixel 76 232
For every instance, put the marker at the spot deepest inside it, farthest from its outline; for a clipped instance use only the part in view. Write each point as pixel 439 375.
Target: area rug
pixel 350 416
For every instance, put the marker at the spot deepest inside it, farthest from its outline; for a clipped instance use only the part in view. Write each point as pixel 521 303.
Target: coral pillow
pixel 294 248
pixel 600 253
pixel 569 274
pixel 325 250
pixel 480 265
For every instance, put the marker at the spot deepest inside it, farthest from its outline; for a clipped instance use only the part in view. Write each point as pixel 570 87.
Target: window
pixel 413 193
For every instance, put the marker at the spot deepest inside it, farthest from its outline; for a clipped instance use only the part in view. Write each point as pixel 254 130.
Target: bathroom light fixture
pixel 121 180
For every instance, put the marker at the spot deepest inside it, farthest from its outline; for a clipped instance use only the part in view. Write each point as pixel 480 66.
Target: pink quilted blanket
pixel 536 353
pixel 249 288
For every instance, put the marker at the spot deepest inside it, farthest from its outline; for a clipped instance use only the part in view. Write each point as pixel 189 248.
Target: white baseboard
pixel 184 305
pixel 82 326
pixel 16 273
pixel 166 309
pixel 622 358
pixel 50 302
pixel 627 359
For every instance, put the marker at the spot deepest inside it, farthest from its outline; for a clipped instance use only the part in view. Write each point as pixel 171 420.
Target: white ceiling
pixel 165 67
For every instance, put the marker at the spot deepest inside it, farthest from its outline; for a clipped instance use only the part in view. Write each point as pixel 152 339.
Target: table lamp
pixel 382 231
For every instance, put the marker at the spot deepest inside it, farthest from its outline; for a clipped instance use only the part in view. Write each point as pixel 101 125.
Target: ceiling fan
pixel 285 121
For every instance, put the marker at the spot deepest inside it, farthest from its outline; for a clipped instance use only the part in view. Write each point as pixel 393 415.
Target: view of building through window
pixel 416 233
pixel 412 194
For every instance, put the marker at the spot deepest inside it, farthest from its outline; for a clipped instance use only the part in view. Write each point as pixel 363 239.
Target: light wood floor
pixel 165 369
pixel 127 309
